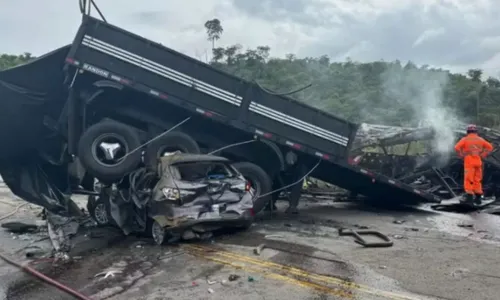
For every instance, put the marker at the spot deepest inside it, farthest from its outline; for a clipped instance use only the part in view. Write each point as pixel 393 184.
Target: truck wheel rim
pixel 100 214
pixel 109 158
pixel 158 233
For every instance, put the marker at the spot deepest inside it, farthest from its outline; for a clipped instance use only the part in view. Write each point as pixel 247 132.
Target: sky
pixel 452 34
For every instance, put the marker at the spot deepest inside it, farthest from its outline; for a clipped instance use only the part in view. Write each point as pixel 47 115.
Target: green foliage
pixel 9 61
pixel 360 91
pixel 389 93
pixel 214 30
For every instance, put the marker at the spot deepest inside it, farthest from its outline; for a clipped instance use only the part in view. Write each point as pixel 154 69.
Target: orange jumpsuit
pixel 473 149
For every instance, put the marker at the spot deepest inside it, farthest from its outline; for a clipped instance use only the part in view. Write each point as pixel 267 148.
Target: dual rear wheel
pixel 109 150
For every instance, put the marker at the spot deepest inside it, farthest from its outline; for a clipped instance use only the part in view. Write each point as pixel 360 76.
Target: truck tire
pixel 108 169
pixel 170 142
pixel 259 180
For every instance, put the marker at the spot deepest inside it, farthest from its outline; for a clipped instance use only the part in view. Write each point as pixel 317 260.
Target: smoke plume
pixel 422 92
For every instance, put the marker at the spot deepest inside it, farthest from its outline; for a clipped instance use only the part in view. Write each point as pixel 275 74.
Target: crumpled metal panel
pixel 200 207
pixel 179 215
pixel 41 184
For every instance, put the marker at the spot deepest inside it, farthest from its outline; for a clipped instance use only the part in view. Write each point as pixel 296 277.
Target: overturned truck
pixel 113 102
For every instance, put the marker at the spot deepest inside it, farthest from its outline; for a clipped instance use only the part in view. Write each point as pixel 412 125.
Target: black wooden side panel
pixel 300 123
pixel 139 59
pixel 134 67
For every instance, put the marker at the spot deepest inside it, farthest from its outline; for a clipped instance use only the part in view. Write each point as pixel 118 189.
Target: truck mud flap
pixel 357 234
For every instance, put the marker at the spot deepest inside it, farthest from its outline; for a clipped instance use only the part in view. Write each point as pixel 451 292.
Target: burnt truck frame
pixel 114 74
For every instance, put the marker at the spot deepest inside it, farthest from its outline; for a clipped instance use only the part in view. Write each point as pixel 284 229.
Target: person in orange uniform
pixel 473 148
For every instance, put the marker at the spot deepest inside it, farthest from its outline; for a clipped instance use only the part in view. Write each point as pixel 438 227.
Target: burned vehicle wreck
pixel 391 151
pixel 187 196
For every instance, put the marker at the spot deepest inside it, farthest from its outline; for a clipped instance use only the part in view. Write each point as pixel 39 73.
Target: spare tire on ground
pixel 260 182
pixel 105 150
pixel 170 142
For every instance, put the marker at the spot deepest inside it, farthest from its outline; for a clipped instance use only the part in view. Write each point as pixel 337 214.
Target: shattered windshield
pixel 197 171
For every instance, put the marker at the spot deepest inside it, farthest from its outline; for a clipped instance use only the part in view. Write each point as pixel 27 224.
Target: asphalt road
pixel 435 256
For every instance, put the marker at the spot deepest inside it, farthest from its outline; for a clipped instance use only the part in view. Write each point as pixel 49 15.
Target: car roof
pixel 191 158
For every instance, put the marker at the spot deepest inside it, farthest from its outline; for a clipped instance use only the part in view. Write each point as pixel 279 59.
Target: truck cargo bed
pixel 115 54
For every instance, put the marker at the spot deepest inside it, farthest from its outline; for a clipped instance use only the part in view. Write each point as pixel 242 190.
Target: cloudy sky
pixel 455 34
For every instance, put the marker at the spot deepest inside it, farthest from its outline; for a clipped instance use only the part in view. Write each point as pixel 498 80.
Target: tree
pixel 475 74
pixel 376 92
pixel 214 30
pixel 9 60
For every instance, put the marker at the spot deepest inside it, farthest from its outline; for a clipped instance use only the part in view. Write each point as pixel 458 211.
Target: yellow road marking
pixel 303 273
pixel 333 291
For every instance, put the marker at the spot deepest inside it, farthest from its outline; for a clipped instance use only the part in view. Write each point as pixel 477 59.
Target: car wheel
pixel 98 210
pixel 260 182
pixel 158 233
pixel 104 150
pixel 170 142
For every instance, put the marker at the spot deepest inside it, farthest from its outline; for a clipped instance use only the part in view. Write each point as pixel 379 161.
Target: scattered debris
pixel 459 273
pixel 465 225
pixel 234 277
pixel 35 252
pixel 386 241
pixel 287 225
pixel 19 227
pixel 411 229
pixel 251 279
pixel 109 273
pixel 61 257
pixel 361 226
pixel 139 244
pixel 276 236
pixel 399 221
pixel 398 237
pixel 210 291
pixel 210 282
pixel 309 221
pixel 257 250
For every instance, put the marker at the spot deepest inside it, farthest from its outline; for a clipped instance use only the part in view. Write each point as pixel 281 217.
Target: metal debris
pixel 20 227
pixel 257 250
pixel 385 149
pixel 271 236
pixel 357 234
pixel 233 277
pixel 107 274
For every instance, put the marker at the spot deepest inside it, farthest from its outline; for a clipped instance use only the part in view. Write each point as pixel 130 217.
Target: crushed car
pixel 187 196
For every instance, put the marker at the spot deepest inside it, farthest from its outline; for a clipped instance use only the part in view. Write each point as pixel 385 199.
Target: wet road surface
pixel 435 256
